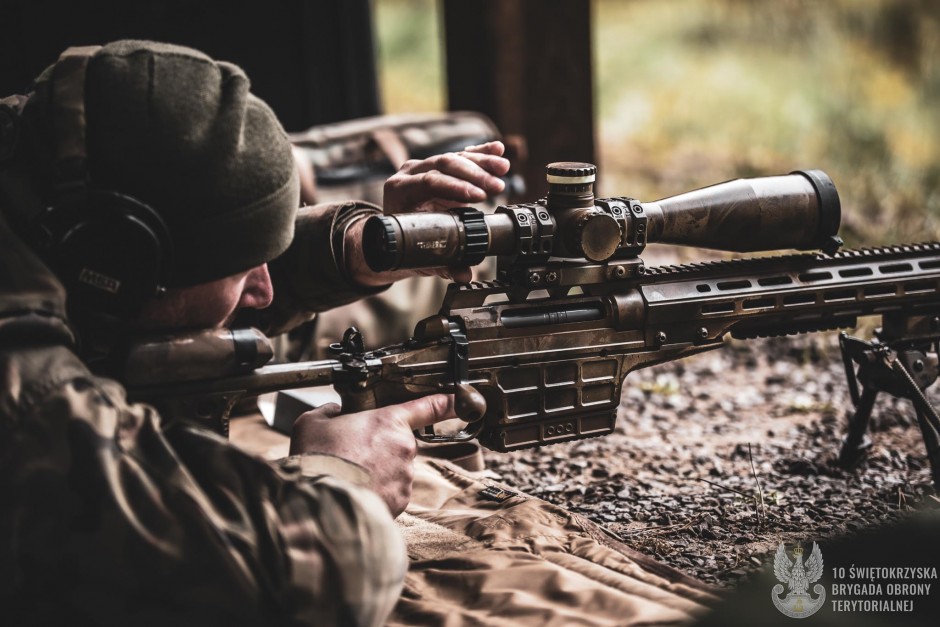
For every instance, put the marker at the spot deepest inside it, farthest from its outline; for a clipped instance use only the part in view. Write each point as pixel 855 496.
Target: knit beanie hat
pixel 181 133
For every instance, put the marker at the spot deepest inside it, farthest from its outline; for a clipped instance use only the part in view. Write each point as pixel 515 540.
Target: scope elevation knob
pixel 570 185
pixel 570 173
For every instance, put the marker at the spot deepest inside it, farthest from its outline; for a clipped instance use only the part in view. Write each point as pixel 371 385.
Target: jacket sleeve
pixel 109 517
pixel 177 519
pixel 310 276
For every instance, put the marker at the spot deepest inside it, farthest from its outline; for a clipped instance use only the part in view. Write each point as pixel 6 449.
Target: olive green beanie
pixel 180 132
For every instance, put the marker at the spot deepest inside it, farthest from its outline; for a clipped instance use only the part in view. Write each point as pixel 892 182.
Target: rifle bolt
pixel 918 365
pixel 543 216
pixel 661 337
pixel 640 270
pixel 534 278
pixel 551 277
pixel 618 272
pixel 703 333
pixel 637 208
pixel 523 218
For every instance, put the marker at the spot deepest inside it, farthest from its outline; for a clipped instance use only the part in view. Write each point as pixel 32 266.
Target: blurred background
pixel 691 92
pixel 665 95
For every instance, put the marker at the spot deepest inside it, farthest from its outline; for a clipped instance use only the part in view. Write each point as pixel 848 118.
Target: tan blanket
pixel 484 554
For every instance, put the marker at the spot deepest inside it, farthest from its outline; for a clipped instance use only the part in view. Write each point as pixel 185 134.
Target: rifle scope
pixel 800 210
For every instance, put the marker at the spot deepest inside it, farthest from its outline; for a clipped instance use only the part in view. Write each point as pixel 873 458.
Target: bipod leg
pixel 856 443
pixel 927 418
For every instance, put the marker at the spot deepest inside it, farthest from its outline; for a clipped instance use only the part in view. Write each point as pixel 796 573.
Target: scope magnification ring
pixel 476 236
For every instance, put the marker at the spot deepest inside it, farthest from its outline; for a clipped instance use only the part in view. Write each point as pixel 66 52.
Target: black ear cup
pixel 111 251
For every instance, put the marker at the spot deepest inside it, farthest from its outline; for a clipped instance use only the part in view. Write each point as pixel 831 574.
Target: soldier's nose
pixel 258 291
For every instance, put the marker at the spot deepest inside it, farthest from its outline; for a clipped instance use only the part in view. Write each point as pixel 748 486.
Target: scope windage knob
pixel 598 235
pixel 570 173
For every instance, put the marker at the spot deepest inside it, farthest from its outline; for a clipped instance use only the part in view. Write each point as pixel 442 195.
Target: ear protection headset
pixel 111 251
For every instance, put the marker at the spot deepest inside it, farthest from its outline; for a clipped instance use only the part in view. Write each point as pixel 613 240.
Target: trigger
pixel 469 404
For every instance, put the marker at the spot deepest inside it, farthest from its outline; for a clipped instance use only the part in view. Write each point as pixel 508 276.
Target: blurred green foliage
pixel 691 92
pixel 410 55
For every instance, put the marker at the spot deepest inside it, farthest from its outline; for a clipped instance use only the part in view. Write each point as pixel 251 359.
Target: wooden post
pixel 527 65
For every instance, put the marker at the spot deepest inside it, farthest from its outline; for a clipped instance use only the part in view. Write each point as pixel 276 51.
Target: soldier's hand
pixel 440 182
pixel 379 440
pixel 449 180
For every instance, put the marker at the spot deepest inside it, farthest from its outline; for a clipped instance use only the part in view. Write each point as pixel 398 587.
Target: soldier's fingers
pixel 466 166
pixel 493 164
pixel 441 186
pixel 427 192
pixel 493 148
pixel 426 411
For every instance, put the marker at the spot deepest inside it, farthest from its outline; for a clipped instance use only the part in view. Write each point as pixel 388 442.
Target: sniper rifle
pixel 539 355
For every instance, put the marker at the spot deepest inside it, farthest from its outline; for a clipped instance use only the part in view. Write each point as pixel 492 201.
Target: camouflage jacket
pixel 110 517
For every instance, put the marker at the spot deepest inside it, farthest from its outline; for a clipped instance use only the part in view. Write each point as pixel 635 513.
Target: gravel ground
pixel 718 458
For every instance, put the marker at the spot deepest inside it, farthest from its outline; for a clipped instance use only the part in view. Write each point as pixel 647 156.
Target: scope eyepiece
pixel 425 240
pixel 380 240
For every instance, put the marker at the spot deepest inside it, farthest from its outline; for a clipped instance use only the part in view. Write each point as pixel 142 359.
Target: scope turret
pixel 800 210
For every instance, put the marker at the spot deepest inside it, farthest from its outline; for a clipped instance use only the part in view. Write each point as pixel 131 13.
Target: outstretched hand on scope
pixel 450 180
pixel 441 182
pixel 379 440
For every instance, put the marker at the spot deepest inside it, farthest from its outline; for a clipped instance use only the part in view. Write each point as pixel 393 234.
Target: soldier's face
pixel 208 305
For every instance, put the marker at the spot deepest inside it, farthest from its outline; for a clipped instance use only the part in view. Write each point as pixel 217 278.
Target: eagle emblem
pixel 798 576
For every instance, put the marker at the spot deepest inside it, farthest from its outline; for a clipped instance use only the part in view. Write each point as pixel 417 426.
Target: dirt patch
pixel 718 458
